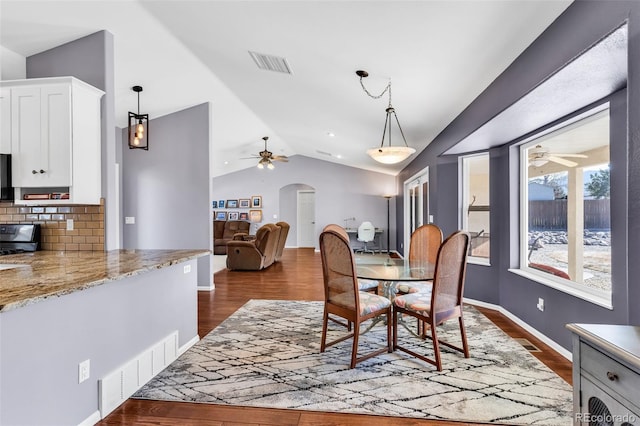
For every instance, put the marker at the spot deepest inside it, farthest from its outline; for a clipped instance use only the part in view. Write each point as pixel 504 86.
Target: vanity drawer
pixel 610 373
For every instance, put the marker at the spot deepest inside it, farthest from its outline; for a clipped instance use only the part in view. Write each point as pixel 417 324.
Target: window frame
pixel 595 296
pixel 463 201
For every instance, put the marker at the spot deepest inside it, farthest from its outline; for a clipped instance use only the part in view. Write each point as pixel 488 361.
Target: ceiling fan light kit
pixel 267 158
pixel 387 154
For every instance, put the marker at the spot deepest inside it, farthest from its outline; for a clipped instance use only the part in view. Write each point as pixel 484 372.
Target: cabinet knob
pixel 612 376
pixel 42 171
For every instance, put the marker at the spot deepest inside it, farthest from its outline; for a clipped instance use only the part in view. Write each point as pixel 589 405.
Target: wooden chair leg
pixel 436 346
pixel 354 349
pixel 463 333
pixel 389 331
pixel 395 329
pixel 323 341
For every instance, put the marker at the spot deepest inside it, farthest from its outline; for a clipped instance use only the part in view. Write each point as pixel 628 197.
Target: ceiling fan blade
pixel 249 158
pixel 561 161
pixel 569 155
pixel 280 158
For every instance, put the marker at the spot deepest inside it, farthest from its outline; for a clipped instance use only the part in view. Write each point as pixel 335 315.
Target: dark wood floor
pixel 297 277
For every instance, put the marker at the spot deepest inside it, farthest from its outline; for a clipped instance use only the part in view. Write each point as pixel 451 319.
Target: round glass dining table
pixel 390 269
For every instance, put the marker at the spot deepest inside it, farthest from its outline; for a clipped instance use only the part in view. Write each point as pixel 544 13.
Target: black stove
pixel 19 238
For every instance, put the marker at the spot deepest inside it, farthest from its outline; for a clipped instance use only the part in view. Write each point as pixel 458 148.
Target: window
pixel 565 223
pixel 474 205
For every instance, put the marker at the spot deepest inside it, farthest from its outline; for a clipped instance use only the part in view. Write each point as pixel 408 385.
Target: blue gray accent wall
pixel 90 59
pixel 166 188
pixel 341 192
pixel 583 24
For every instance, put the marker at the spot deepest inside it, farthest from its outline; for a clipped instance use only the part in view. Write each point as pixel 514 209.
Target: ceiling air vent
pixel 271 63
pixel 324 153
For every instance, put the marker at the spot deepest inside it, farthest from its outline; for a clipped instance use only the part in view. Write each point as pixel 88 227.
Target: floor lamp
pixel 388 197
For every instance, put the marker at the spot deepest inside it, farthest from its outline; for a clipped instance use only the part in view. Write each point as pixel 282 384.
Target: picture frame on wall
pixel 244 203
pixel 221 215
pixel 255 215
pixel 221 204
pixel 233 215
pixel 256 202
pixel 232 204
pixel 243 215
pixel 214 204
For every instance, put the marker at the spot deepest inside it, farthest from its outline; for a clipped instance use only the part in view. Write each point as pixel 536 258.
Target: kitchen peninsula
pixel 127 312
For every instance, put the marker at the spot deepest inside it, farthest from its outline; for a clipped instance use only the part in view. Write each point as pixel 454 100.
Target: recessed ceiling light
pixel 331 134
pixel 339 156
pixel 226 162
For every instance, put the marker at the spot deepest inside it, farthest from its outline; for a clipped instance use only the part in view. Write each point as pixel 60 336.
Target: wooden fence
pixel 551 215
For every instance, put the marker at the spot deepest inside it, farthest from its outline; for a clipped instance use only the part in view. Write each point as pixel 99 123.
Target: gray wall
pixel 582 24
pixel 91 60
pixel 166 188
pixel 43 343
pixel 341 192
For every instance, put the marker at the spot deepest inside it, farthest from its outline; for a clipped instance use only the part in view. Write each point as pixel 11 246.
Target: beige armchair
pixel 282 240
pixel 254 255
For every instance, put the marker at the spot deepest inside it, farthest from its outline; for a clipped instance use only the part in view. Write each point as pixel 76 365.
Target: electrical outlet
pixel 69 224
pixel 129 220
pixel 540 304
pixel 84 370
pixel 187 269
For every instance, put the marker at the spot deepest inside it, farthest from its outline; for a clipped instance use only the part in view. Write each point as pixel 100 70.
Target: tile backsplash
pixel 88 224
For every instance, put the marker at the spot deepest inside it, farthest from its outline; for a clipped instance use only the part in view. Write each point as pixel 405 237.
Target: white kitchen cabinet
pixel 5 120
pixel 55 139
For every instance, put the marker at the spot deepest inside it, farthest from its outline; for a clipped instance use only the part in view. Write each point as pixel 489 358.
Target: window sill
pixel 478 261
pixel 581 294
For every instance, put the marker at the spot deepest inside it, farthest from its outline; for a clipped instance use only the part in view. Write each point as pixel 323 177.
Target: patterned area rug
pixel 267 355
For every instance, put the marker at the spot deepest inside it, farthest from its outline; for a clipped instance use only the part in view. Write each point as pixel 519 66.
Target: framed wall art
pixel 221 215
pixel 255 215
pixel 256 202
pixel 233 215
pixel 232 204
pixel 243 216
pixel 244 203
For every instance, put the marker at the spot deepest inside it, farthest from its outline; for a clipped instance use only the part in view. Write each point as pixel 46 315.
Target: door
pixel 41 136
pixel 416 196
pixel 306 218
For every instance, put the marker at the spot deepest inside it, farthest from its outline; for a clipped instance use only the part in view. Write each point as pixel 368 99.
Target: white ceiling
pixel 440 55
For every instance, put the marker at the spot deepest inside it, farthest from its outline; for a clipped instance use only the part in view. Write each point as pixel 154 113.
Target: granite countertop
pixel 48 274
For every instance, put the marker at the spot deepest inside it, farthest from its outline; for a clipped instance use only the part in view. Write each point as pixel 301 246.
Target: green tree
pixel 599 186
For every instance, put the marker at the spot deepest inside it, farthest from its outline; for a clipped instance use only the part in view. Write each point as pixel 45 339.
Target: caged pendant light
pixel 138 126
pixel 387 154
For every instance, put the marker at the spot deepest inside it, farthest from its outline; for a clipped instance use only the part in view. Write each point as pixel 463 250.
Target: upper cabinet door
pixel 5 120
pixel 41 136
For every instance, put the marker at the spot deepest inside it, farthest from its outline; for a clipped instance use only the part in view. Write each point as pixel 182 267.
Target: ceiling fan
pixel 539 156
pixel 266 157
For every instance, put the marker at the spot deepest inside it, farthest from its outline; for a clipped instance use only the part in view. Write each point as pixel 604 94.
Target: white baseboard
pixel 91 420
pixel 206 287
pixel 553 345
pixel 124 381
pixel 182 349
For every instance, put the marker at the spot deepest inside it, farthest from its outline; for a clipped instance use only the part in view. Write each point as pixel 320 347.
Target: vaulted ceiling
pixel 439 56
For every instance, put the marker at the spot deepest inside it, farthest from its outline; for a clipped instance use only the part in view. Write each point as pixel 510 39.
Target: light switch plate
pixel 130 220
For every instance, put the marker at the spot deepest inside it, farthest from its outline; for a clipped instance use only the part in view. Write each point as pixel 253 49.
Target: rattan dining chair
pixel 423 247
pixel 443 302
pixel 343 297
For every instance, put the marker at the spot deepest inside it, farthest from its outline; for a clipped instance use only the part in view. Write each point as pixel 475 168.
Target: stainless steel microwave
pixel 6 191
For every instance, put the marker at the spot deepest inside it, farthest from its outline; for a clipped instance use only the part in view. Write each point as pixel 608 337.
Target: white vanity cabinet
pixel 606 374
pixel 55 137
